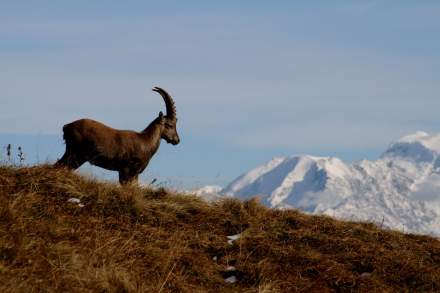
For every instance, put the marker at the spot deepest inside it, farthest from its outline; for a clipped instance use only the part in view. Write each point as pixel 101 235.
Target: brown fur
pixel 125 151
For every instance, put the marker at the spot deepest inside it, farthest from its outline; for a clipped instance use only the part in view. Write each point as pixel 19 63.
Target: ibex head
pixel 169 121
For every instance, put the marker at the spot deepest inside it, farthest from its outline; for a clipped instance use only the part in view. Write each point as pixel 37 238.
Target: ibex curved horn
pixel 169 103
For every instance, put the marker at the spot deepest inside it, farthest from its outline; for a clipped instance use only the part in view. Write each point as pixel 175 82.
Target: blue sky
pixel 251 79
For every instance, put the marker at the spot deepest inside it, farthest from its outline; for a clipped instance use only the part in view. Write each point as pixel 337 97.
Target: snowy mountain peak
pixel 401 190
pixel 284 179
pixel 250 177
pixel 420 147
pixel 430 141
pixel 334 167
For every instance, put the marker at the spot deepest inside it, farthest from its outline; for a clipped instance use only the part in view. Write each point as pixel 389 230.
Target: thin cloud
pixel 325 135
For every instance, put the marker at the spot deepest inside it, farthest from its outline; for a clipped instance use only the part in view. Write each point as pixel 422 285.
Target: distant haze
pixel 251 79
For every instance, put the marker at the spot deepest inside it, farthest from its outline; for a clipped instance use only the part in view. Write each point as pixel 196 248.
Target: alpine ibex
pixel 125 151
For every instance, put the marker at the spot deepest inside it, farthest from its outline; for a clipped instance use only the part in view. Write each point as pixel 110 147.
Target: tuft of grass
pixel 135 239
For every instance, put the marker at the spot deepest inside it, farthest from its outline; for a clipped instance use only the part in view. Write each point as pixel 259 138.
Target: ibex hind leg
pixel 70 161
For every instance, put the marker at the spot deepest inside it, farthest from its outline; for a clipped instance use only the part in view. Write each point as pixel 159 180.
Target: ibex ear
pixel 161 118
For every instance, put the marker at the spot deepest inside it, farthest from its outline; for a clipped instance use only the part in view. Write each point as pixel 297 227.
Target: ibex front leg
pixel 127 176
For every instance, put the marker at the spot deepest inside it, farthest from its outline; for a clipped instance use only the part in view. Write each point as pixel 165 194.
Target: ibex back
pixel 125 151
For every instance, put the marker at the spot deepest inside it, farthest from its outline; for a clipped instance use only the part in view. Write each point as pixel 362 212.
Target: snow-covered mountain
pixel 400 190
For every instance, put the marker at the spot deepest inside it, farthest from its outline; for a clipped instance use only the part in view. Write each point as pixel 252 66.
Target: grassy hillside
pixel 138 239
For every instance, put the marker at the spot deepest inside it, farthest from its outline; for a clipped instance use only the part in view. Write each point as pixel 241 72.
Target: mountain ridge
pixel 63 232
pixel 399 190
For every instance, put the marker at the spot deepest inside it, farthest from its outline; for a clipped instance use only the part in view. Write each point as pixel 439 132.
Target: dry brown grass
pixel 136 239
